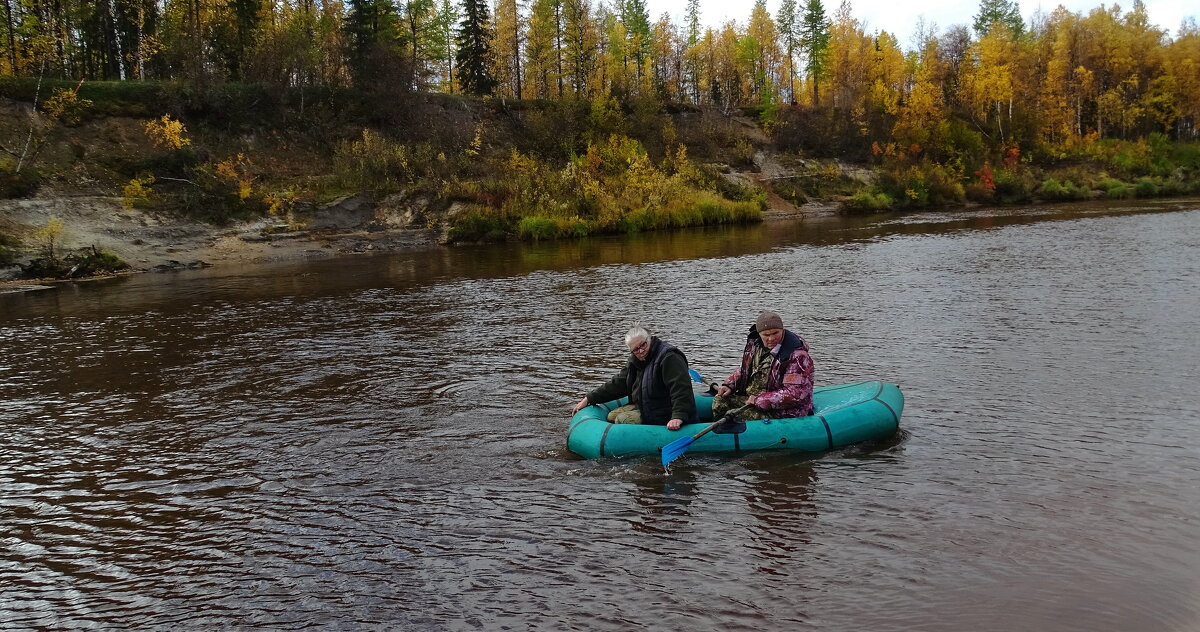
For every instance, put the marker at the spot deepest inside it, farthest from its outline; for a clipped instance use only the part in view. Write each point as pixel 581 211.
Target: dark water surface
pixel 379 442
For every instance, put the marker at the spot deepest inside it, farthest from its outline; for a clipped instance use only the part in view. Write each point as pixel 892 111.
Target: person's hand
pixel 675 424
pixel 752 400
pixel 723 390
pixel 582 403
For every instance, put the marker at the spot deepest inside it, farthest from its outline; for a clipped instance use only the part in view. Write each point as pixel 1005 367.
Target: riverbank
pixel 152 239
pixel 161 242
pixel 205 189
pixel 158 242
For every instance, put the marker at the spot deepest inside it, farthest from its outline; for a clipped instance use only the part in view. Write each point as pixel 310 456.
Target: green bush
pixel 1054 190
pixel 963 143
pixel 45 268
pixel 921 185
pixel 1173 187
pixel 1116 190
pixel 1145 188
pixel 478 225
pixel 177 163
pixel 223 191
pixel 1014 186
pixel 1131 158
pixel 743 154
pixel 866 202
pixel 1085 177
pixel 109 98
pixel 943 188
pixel 706 208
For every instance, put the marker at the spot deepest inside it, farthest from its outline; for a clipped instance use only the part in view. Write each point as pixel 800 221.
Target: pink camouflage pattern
pixel 790 396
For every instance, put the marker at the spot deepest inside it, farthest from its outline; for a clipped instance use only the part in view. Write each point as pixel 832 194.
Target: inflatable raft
pixel 842 415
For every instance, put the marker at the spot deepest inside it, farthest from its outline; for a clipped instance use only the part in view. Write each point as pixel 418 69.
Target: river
pixel 379 442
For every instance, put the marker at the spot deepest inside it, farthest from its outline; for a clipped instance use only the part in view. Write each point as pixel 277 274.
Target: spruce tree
pixel 474 56
pixel 814 39
pixel 372 27
pixel 636 19
pixel 787 22
pixel 999 11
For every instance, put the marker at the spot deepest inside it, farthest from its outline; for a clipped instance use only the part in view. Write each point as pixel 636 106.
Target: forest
pixel 599 95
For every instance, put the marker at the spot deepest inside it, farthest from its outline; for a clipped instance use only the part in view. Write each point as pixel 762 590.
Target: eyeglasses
pixel 640 348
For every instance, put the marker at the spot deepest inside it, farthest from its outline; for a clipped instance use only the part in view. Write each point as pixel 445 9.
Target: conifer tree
pixel 474 49
pixel 636 19
pixel 10 31
pixel 788 24
pixel 420 35
pixel 372 27
pixel 814 39
pixel 1005 12
pixel 443 39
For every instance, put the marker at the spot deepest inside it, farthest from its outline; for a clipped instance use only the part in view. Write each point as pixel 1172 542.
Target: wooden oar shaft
pixel 720 421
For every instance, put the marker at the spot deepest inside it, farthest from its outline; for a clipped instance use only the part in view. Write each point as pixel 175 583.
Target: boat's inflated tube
pixel 842 415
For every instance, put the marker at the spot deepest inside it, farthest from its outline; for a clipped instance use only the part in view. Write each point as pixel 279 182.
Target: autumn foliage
pixel 999 111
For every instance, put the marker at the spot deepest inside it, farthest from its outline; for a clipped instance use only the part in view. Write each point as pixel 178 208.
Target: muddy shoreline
pixel 159 242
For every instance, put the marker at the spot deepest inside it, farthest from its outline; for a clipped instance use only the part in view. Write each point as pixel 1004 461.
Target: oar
pixel 696 377
pixel 674 449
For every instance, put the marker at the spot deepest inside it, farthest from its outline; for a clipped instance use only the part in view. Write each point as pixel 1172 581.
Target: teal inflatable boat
pixel 842 415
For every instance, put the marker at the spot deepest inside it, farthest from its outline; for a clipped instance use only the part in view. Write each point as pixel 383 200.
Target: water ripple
pixel 378 443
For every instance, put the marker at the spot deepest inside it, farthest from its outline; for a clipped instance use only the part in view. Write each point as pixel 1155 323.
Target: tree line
pixel 1063 77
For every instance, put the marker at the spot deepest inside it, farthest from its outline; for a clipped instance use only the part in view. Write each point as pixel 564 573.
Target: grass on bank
pixel 613 186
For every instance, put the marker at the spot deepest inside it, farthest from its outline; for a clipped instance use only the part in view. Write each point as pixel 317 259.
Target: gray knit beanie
pixel 768 319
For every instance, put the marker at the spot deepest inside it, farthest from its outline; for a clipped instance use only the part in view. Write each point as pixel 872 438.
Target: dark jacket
pixel 789 382
pixel 660 387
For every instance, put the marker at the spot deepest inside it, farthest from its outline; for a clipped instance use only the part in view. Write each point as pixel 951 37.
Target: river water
pixel 379 442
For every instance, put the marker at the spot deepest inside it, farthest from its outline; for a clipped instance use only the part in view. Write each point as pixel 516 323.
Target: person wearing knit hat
pixel 768 320
pixel 775 380
pixel 656 381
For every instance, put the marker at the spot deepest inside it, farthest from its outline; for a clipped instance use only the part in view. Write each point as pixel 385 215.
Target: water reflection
pixel 779 495
pixel 195 289
pixel 664 501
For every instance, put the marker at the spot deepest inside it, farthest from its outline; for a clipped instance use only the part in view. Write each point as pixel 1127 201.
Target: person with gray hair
pixel 776 376
pixel 656 380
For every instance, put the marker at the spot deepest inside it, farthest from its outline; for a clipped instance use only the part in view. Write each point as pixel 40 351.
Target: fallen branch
pixel 180 180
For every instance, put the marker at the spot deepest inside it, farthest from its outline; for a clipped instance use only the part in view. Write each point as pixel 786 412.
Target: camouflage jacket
pixel 790 379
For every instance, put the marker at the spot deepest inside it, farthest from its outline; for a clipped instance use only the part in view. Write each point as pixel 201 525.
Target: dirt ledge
pixel 151 241
pixel 159 242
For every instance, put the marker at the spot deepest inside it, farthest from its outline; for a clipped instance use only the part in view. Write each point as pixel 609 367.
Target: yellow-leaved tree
pixel 987 78
pixel 924 107
pixel 167 132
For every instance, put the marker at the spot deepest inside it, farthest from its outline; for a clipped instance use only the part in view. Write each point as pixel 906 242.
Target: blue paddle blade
pixel 672 450
pixel 695 376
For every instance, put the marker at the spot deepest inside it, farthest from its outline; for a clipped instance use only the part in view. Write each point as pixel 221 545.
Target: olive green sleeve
pixel 615 388
pixel 679 383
